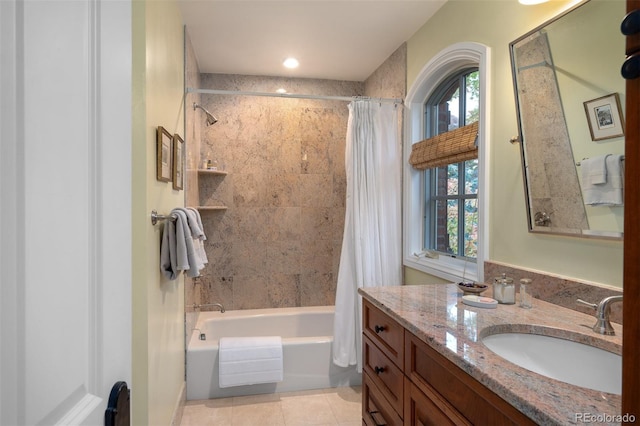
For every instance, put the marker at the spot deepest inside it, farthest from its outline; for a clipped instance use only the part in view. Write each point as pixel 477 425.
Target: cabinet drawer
pixel 385 374
pixel 376 410
pixel 384 332
pixel 432 372
pixel 428 409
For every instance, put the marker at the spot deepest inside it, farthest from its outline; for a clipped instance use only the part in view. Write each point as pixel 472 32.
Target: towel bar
pixel 155 217
pixel 579 163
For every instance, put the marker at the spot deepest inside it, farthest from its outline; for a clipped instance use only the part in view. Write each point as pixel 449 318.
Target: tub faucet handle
pixel 218 305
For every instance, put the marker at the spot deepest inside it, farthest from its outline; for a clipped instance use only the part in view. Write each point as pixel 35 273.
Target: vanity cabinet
pixel 405 381
pixel 382 364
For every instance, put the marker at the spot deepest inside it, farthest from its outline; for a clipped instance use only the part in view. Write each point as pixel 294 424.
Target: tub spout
pixel 219 305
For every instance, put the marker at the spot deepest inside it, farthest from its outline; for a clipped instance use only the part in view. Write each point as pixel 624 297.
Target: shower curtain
pixel 371 246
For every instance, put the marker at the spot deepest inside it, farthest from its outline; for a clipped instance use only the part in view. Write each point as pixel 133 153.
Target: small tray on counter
pixel 472 288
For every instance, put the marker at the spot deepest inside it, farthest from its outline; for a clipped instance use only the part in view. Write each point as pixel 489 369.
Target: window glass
pixel 451 191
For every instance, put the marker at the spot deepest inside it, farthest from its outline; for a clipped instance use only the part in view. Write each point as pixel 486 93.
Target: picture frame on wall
pixel 164 154
pixel 604 116
pixel 178 162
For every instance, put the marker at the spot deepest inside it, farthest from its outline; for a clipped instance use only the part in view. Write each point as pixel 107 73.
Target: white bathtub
pixel 307 337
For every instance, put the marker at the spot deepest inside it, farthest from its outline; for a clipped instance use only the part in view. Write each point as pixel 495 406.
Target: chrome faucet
pixel 219 305
pixel 603 310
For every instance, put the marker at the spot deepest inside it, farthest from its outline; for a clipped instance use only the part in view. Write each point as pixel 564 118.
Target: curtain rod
pixel 292 95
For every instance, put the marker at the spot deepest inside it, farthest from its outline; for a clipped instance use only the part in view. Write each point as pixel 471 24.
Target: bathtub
pixel 307 338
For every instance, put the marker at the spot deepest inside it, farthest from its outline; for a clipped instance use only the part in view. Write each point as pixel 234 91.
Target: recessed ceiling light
pixel 291 63
pixel 281 91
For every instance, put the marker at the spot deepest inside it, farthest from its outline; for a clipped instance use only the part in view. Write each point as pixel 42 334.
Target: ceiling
pixel 336 40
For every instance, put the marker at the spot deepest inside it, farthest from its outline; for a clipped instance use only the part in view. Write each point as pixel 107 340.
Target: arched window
pixel 444 219
pixel 451 190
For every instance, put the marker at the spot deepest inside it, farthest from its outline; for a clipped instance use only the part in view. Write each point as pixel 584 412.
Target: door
pixel 65 190
pixel 631 303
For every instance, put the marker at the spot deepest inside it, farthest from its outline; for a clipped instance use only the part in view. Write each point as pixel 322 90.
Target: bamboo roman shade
pixel 446 148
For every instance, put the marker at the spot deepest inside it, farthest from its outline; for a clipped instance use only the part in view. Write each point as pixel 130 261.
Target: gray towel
pixel 199 220
pixel 177 252
pixel 195 225
pixel 168 257
pixel 197 232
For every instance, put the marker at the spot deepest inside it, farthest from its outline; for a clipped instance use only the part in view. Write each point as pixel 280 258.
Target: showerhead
pixel 211 119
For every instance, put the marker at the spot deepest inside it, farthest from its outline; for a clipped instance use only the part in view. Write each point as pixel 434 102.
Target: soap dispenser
pixel 504 291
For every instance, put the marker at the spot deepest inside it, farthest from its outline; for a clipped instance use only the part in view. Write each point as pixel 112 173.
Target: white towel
pixel 609 193
pixel 594 170
pixel 197 233
pixel 250 360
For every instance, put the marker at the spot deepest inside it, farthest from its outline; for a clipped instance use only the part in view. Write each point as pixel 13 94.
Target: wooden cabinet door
pixel 631 304
pixel 376 410
pixel 428 410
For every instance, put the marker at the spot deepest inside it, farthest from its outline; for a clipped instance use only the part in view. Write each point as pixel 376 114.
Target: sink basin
pixel 570 362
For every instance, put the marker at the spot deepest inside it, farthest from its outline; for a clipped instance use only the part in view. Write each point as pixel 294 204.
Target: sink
pixel 570 362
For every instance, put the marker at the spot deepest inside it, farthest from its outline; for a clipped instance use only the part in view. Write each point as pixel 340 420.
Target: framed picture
pixel 178 162
pixel 164 152
pixel 605 117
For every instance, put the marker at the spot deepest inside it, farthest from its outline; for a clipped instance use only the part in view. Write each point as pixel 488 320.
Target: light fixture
pixel 281 90
pixel 531 2
pixel 291 63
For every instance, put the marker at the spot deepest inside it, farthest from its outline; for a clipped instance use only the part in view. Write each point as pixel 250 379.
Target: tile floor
pixel 335 406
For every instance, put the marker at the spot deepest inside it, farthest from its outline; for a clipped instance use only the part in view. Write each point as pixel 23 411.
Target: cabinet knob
pixel 631 67
pixel 378 328
pixel 378 370
pixel 631 23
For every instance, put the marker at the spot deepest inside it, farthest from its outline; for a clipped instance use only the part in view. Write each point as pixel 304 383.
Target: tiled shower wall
pixel 278 242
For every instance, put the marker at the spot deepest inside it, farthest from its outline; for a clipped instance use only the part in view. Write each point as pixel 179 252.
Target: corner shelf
pixel 211 208
pixel 212 172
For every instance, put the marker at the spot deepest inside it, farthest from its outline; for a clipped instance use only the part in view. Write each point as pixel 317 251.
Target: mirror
pixel 568 91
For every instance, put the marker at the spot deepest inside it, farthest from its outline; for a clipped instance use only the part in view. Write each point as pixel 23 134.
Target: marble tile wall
pixel 278 242
pixel 557 290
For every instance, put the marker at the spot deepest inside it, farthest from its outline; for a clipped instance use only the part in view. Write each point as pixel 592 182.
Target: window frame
pixel 442 66
pixel 430 233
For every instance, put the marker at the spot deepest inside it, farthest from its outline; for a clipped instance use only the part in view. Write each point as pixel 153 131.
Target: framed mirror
pixel 569 93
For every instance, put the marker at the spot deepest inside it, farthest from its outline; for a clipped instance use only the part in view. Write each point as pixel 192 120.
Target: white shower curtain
pixel 371 246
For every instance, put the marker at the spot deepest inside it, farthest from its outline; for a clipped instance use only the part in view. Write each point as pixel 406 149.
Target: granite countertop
pixel 436 315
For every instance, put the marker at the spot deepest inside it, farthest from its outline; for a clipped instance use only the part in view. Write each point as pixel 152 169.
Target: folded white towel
pixel 609 193
pixel 250 360
pixel 594 170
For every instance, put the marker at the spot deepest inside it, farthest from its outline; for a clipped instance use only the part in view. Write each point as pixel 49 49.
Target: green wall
pixel 496 24
pixel 158 305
